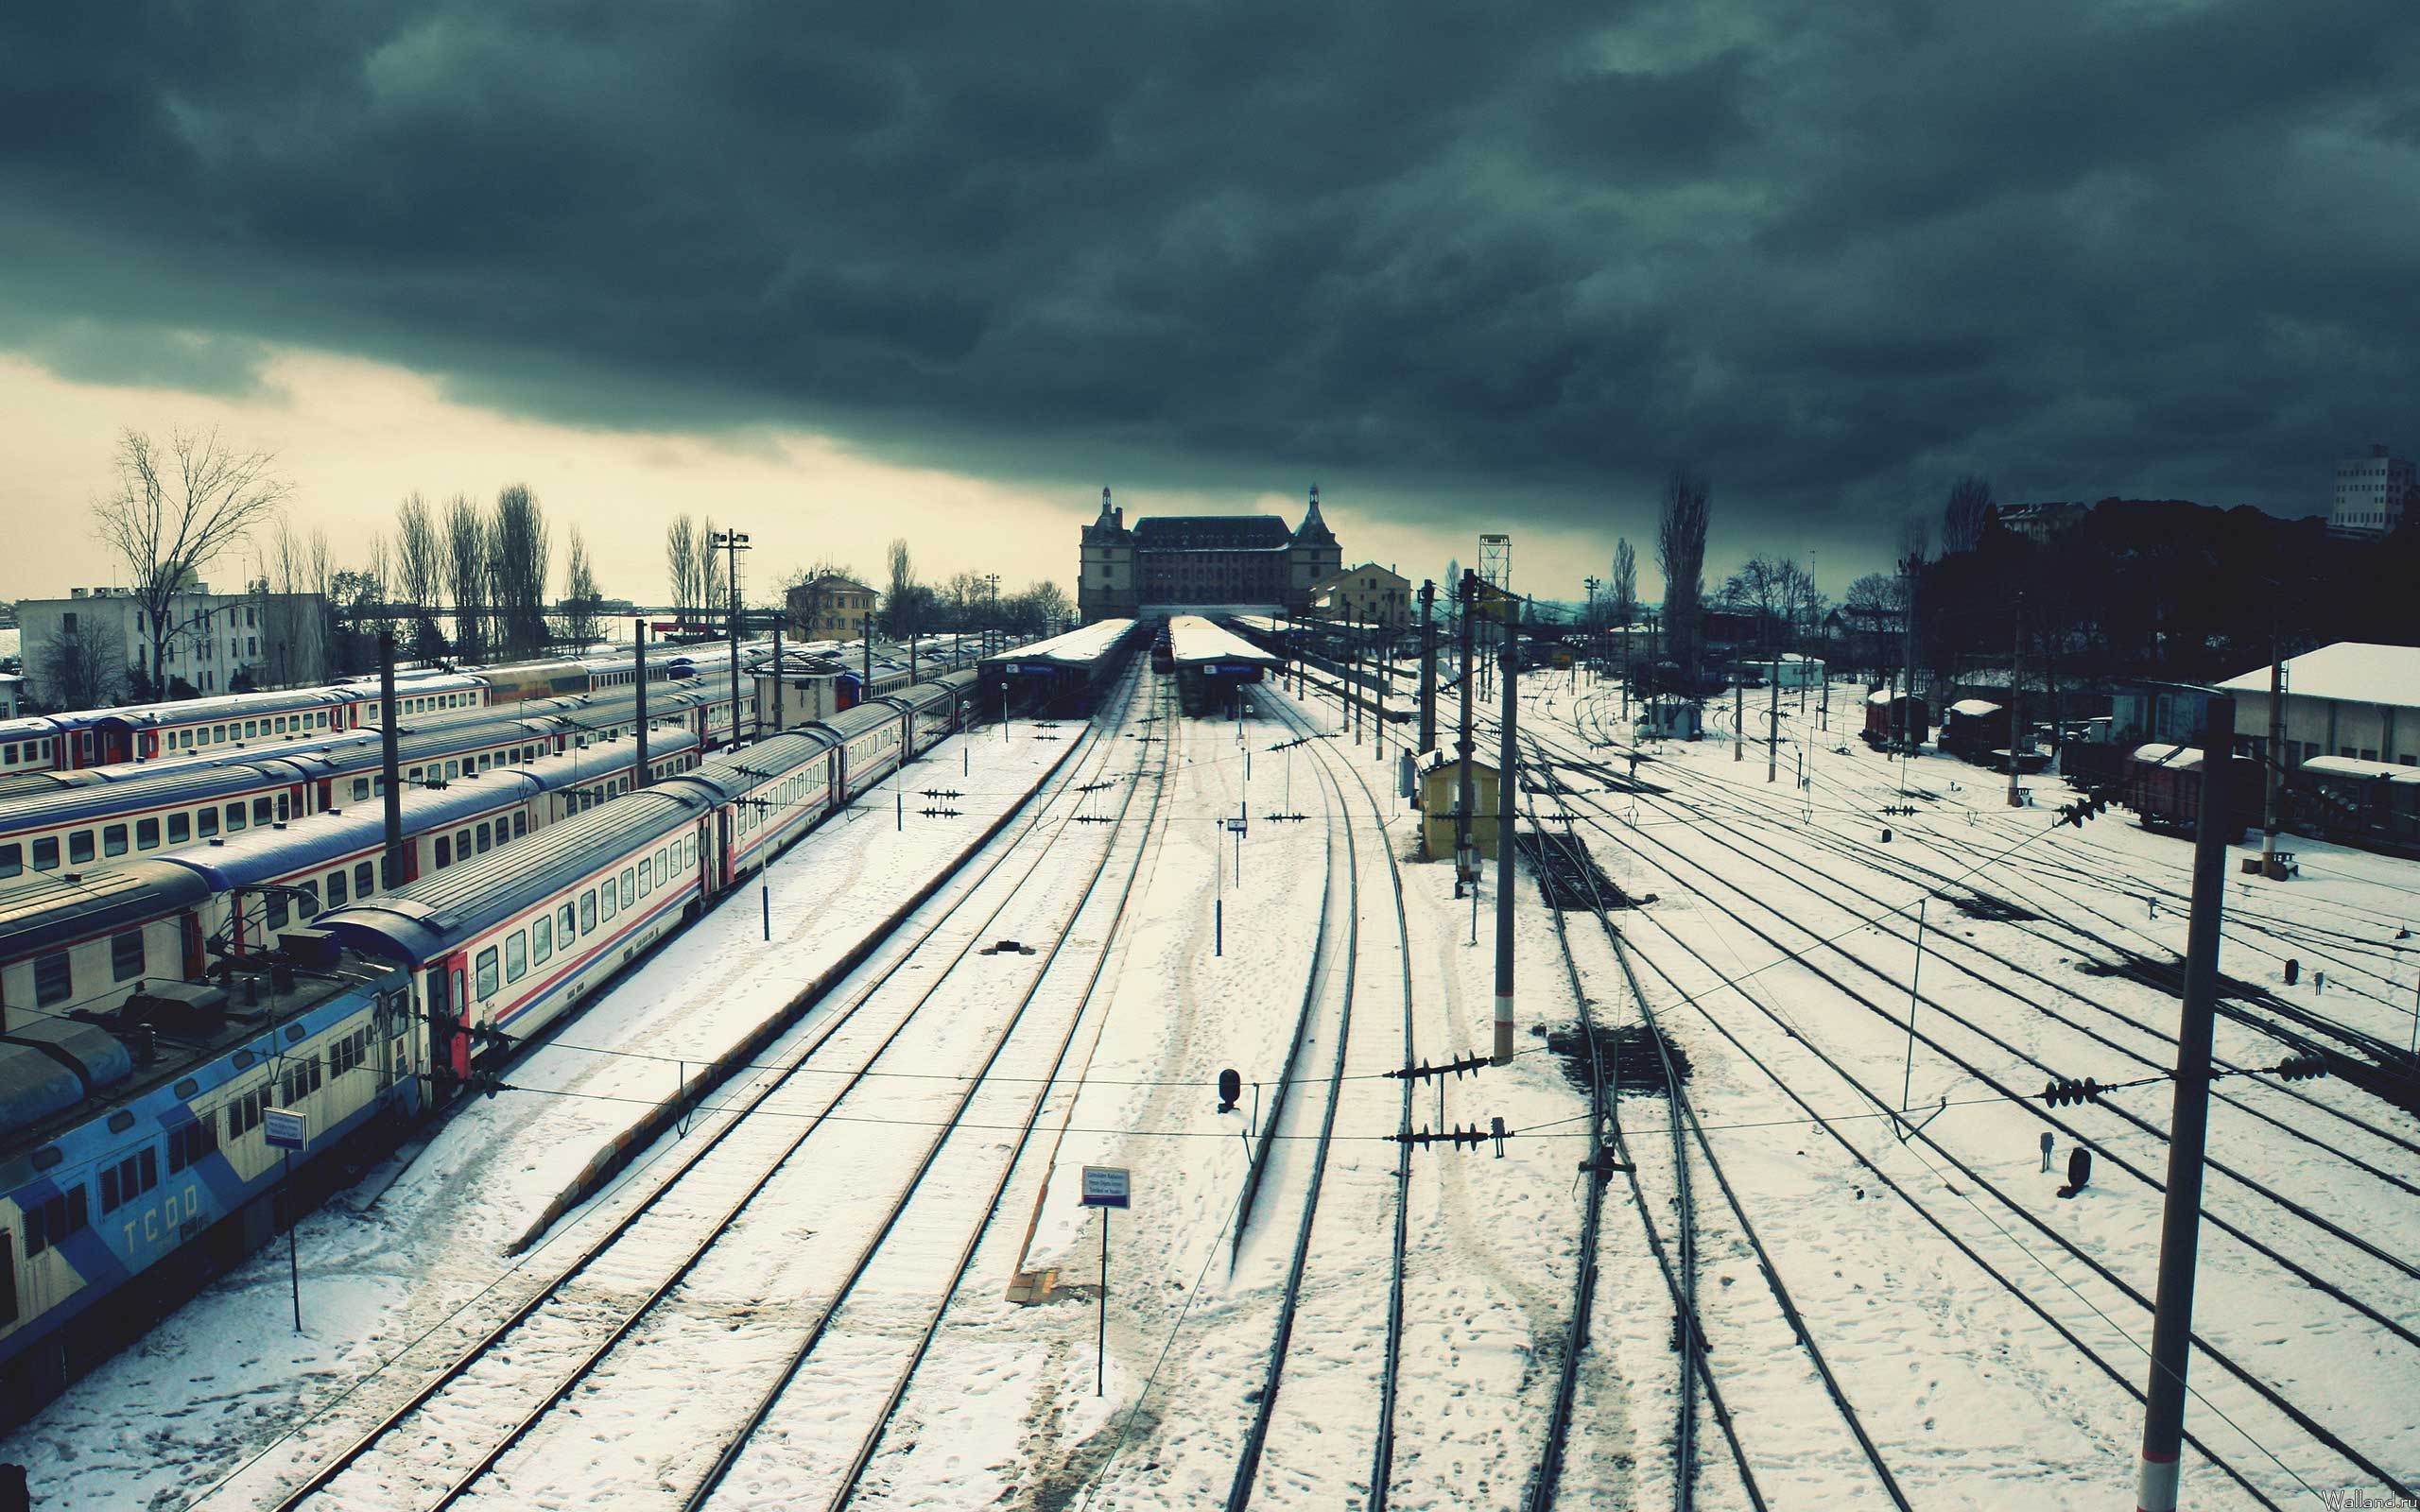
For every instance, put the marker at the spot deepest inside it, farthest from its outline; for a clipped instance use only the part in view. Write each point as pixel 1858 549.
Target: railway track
pixel 2269 1396
pixel 424 1453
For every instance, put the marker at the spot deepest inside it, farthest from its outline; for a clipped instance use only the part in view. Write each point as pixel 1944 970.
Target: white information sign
pixel 1105 1186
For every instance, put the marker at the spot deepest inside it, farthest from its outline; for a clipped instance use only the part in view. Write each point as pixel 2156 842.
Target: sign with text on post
pixel 1105 1186
pixel 284 1130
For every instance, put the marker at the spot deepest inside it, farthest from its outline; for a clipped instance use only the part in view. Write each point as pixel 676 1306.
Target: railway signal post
pixel 2189 1128
pixel 1507 782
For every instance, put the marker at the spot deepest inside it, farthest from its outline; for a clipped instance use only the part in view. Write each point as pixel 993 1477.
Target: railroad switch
pixel 1604 1165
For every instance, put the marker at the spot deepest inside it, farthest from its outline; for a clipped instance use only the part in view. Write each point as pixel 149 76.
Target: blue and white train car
pixel 761 799
pixel 872 741
pixel 134 1164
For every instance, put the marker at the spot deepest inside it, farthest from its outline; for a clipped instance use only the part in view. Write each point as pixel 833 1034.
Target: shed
pixel 1441 779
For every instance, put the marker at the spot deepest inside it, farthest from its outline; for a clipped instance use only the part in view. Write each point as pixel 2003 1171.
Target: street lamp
pixel 732 542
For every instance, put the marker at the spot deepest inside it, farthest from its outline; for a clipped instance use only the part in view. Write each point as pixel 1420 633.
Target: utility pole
pixel 2189 1128
pixel 1385 669
pixel 2270 867
pixel 1908 566
pixel 390 761
pixel 1428 667
pixel 1507 759
pixel 1773 728
pixel 2017 698
pixel 780 713
pixel 1738 718
pixel 732 542
pixel 638 696
pixel 1466 860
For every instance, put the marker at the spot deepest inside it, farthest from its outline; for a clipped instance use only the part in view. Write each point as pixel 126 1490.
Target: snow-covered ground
pixel 1985 1335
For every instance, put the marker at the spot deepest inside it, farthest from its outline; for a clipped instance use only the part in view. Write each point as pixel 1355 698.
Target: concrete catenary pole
pixel 391 761
pixel 1427 665
pixel 2275 764
pixel 1773 728
pixel 1468 589
pixel 780 714
pixel 2015 699
pixel 1507 760
pixel 2189 1128
pixel 638 693
pixel 1739 718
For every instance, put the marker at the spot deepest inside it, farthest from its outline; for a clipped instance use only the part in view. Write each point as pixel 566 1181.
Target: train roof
pixel 265 852
pixel 2355 767
pixel 2175 758
pixel 420 923
pixel 1974 708
pixel 849 723
pixel 109 801
pixel 1196 641
pixel 918 696
pixel 730 775
pixel 45 908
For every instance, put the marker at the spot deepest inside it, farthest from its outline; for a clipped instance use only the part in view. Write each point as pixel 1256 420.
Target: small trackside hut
pixel 1211 666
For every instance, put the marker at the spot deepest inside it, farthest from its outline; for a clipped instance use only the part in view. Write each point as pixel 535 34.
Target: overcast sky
pixel 841 272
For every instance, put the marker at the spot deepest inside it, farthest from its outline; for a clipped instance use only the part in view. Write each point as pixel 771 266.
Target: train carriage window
pixel 360 789
pixel 542 939
pixel 588 911
pixel 486 970
pixel 126 954
pixel 218 733
pixel 53 979
pixel 180 827
pixel 483 837
pixel 205 823
pixel 274 911
pixel 308 904
pixel 520 824
pixel 147 834
pixel 462 844
pixel 338 896
pixel 567 922
pixel 13 860
pixel 56 1219
pixel 113 839
pixel 79 846
pixel 516 956
pixel 453 769
pixel 235 819
pixel 365 878
pixel 629 887
pixel 663 870
pixel 251 728
pixel 268 812
pixel 647 876
pixel 187 1145
pixel 46 853
pixel 609 903
pixel 445 852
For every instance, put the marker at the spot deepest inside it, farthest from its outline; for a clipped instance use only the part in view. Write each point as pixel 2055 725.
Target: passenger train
pixel 133 1135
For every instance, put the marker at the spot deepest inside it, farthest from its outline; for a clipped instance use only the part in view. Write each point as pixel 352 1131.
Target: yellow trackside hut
pixel 1441 785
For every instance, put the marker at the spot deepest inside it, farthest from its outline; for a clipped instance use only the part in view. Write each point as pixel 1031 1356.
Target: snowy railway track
pixel 415 1451
pixel 2268 1394
pixel 1251 1474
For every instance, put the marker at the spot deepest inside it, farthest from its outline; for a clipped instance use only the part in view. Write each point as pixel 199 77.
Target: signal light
pixel 2301 1068
pixel 2068 1092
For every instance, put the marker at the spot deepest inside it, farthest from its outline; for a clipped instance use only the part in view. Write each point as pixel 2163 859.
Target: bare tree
pixel 1962 518
pixel 581 603
pixel 1916 542
pixel 1623 607
pixel 520 554
pixel 900 605
pixel 175 512
pixel 466 575
pixel 680 564
pixel 419 572
pixel 76 666
pixel 1047 604
pixel 1680 550
pixel 377 600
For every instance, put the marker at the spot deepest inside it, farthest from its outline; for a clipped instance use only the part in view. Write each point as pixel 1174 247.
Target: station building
pixel 1239 560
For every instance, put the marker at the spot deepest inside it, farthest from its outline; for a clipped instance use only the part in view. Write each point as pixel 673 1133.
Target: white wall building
pixel 272 637
pixel 2351 699
pixel 2370 493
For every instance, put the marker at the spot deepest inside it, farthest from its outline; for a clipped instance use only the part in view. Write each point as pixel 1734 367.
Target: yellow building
pixel 1367 594
pixel 831 607
pixel 1441 779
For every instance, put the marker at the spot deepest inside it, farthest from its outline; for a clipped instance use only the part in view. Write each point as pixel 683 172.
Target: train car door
pixel 449 1038
pixel 189 943
pixel 726 869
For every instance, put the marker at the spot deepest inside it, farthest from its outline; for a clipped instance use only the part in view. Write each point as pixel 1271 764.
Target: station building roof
pixel 1077 648
pixel 2352 670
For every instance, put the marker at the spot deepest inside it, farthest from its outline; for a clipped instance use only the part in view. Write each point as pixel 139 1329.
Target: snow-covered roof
pixel 1882 696
pixel 1974 708
pixel 2354 766
pixel 1082 645
pixel 2176 758
pixel 1195 640
pixel 2356 671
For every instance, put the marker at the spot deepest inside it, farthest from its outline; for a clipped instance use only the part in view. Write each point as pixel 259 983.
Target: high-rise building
pixel 1242 560
pixel 2371 492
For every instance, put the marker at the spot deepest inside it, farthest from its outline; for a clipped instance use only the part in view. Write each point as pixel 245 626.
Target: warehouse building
pixel 2353 699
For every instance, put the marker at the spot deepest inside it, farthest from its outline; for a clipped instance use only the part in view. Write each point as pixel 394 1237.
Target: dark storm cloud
pixel 1832 253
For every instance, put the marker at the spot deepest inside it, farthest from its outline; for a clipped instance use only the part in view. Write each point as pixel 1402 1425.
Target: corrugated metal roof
pixel 47 910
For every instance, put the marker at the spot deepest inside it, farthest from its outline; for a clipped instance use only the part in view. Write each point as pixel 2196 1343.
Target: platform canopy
pixel 1076 650
pixel 1195 642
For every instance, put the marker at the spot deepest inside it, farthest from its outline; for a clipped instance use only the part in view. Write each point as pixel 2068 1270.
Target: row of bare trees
pixel 490 568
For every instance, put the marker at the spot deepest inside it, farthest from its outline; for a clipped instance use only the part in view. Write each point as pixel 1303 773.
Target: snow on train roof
pixel 44 909
pixel 1974 708
pixel 1077 648
pixel 416 923
pixel 1193 639
pixel 276 851
pixel 2355 766
pixel 2175 758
